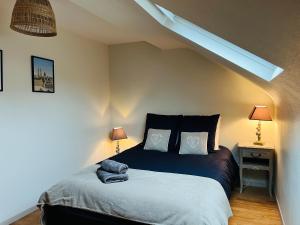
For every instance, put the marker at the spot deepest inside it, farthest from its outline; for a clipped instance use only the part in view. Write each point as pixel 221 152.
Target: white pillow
pixel 193 143
pixel 157 140
pixel 217 137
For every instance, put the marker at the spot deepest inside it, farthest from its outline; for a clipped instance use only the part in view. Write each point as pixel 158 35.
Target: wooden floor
pixel 253 207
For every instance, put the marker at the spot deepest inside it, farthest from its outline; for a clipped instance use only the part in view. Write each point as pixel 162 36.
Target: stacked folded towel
pixel 111 172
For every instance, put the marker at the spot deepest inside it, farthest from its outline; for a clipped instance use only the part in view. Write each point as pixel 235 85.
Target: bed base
pixel 61 215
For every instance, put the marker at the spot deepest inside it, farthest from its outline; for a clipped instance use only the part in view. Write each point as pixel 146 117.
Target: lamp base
pixel 118 147
pixel 258 143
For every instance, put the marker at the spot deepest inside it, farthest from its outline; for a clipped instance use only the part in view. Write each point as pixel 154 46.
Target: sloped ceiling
pixel 269 29
pixel 112 22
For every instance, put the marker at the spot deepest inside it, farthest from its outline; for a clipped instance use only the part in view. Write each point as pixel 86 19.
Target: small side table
pixel 259 158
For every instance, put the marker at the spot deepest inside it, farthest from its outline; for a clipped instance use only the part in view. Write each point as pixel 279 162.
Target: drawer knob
pixel 255 155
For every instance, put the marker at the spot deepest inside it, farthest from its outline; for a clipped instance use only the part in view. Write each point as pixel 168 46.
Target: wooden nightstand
pixel 254 157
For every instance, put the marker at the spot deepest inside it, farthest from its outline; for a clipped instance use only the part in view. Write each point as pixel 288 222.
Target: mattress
pixel 219 166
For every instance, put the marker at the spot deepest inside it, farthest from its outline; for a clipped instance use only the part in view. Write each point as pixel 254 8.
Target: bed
pixel 178 175
pixel 218 166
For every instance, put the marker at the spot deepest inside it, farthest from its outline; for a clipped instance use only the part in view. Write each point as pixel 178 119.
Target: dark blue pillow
pixel 201 124
pixel 164 122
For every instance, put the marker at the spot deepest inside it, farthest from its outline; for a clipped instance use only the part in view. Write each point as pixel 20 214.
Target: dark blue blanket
pixel 219 165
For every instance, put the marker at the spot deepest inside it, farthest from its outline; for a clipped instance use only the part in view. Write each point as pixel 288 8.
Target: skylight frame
pixel 211 42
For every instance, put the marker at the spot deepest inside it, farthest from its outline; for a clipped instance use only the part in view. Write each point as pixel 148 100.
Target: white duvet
pixel 147 197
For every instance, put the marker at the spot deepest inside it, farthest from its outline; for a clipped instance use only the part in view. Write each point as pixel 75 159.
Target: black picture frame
pixel 42 75
pixel 1 70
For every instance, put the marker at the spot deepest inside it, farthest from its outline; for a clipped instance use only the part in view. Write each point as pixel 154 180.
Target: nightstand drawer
pixel 261 154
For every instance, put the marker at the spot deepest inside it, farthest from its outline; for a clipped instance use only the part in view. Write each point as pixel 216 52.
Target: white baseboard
pixel 19 216
pixel 280 212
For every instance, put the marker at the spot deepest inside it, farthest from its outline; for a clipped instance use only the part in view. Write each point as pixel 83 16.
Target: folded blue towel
pixel 113 166
pixel 107 177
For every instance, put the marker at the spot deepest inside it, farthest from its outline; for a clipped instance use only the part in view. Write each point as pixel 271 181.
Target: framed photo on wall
pixel 1 70
pixel 42 75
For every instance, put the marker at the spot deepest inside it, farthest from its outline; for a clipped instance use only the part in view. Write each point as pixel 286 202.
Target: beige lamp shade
pixel 260 113
pixel 33 17
pixel 118 133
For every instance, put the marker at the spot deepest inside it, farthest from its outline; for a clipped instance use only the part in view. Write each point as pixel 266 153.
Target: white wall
pixel 180 81
pixel 46 137
pixel 288 167
pixel 287 91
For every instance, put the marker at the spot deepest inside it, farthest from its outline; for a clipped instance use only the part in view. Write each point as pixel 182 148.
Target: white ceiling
pixel 269 28
pixel 112 22
pixel 259 26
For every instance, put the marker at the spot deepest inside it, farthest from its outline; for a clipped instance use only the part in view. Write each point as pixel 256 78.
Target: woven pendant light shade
pixel 34 17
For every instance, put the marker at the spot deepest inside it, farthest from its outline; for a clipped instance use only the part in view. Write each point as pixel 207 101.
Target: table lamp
pixel 260 113
pixel 118 134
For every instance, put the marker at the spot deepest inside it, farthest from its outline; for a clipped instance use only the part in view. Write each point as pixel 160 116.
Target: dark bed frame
pixel 60 215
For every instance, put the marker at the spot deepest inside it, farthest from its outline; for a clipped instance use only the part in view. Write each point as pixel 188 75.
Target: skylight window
pixel 225 49
pixel 167 13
